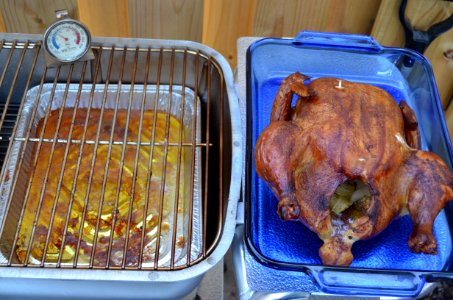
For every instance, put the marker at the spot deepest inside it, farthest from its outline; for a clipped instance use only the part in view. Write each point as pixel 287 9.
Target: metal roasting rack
pixel 113 66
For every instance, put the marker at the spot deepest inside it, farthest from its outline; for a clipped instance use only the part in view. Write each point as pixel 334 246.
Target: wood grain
pixel 387 29
pixel 105 17
pixel 2 24
pixel 442 67
pixel 422 14
pixel 287 18
pixel 33 16
pixel 170 19
pixel 224 22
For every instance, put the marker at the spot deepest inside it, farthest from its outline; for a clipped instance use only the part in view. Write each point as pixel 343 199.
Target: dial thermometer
pixel 66 41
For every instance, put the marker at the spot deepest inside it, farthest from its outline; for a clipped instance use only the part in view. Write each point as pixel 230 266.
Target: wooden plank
pixel 387 29
pixel 287 18
pixel 167 19
pixel 33 16
pixel 2 24
pixel 224 22
pixel 442 67
pixel 105 17
pixel 422 14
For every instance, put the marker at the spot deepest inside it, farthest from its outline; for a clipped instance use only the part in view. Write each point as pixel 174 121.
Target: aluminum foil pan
pixel 35 108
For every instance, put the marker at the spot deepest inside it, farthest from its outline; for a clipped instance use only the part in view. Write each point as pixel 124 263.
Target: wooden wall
pixel 218 23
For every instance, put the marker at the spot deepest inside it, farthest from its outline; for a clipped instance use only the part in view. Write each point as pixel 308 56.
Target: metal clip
pixel 62 14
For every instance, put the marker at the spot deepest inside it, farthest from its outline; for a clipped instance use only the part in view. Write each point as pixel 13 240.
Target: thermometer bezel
pixel 60 23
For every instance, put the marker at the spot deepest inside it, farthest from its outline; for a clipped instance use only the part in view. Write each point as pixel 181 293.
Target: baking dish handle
pixel 340 40
pixel 397 284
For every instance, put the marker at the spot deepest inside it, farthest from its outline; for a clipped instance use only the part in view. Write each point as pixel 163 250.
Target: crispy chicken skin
pixel 340 131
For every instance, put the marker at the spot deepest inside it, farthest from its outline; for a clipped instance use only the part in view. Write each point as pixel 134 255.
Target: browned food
pixel 353 139
pixel 99 197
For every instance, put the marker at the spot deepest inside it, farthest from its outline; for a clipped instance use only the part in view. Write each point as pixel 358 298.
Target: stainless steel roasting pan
pixel 124 61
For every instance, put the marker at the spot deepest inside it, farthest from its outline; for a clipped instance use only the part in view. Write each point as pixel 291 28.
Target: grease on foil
pixel 92 196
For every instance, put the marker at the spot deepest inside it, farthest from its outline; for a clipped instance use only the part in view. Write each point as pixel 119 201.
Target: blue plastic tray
pixel 404 74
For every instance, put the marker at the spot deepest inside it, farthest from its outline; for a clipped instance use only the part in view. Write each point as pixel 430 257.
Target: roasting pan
pixel 123 74
pixel 383 265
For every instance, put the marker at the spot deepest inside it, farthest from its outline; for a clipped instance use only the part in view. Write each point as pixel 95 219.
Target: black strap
pixel 419 40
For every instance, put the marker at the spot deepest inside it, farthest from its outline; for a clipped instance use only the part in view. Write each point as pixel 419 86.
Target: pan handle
pixel 368 282
pixel 341 40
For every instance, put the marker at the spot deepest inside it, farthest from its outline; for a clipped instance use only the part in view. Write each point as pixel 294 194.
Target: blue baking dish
pixel 383 265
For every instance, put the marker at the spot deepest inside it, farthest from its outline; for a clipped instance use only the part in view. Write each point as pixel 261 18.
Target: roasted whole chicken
pixel 346 162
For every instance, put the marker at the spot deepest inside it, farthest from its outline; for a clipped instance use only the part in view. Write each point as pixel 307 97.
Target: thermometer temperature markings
pixel 77 37
pixel 54 42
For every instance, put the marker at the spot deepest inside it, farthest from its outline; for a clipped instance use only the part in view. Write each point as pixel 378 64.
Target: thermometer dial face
pixel 67 40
